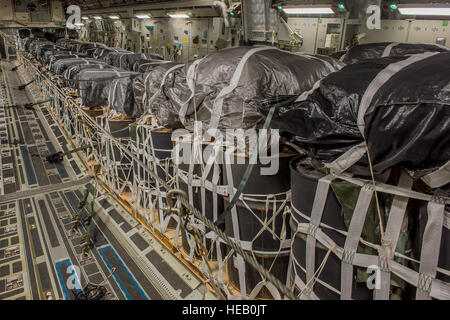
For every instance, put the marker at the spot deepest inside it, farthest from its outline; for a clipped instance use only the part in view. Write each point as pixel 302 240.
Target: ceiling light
pixel 178 15
pixel 142 16
pixel 114 17
pixel 85 17
pixel 424 10
pixel 309 10
pixel 97 17
pixel 79 24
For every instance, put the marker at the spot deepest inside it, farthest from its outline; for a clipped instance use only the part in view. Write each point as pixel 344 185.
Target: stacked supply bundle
pixel 62 65
pixel 61 56
pixel 65 42
pixel 147 65
pixel 117 59
pixel 225 87
pixel 73 45
pixel 121 95
pixel 85 46
pixel 387 49
pixel 51 52
pixel 359 106
pixel 103 53
pixel 71 73
pixel 97 87
pixel 128 60
pixel 35 44
pixel 42 50
pixel 371 119
pixel 161 90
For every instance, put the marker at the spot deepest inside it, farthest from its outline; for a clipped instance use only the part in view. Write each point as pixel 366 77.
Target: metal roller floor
pixel 40 254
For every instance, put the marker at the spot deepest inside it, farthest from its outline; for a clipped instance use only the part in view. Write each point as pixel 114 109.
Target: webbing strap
pixel 218 102
pixel 306 94
pixel 163 81
pixel 190 80
pixel 352 240
pixel 430 248
pixel 439 177
pixel 388 49
pixel 320 198
pixel 380 80
pixel 439 289
pixel 348 159
pixel 247 173
pixel 391 235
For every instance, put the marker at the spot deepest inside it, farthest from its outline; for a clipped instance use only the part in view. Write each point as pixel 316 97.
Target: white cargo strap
pixel 348 159
pixel 306 94
pixel 239 262
pixel 158 92
pixel 216 113
pixel 320 198
pixel 191 76
pixel 155 168
pixel 151 64
pixel 439 289
pixel 380 80
pixel 430 248
pixel 120 58
pixel 388 49
pixel 439 177
pixel 352 240
pixel 270 287
pixel 391 235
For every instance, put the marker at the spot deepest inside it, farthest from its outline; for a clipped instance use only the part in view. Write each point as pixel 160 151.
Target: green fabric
pixel 347 195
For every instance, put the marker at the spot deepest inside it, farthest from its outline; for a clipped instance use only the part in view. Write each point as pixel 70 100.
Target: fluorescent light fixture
pixel 142 16
pixel 309 10
pixel 114 17
pixel 424 10
pixel 97 17
pixel 178 15
pixel 85 17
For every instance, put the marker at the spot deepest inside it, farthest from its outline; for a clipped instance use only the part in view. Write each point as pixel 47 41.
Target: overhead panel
pixel 306 27
pixel 57 11
pixel 391 31
pixel 430 31
pixel 6 10
pixel 22 16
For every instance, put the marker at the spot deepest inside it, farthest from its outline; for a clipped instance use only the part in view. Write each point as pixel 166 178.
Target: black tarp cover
pixel 387 49
pixel 102 53
pixel 56 57
pixel 94 87
pixel 121 95
pixel 62 65
pixel 268 72
pixel 36 43
pixel 51 52
pixel 145 65
pixel 83 47
pixel 407 122
pixel 117 59
pixel 165 99
pixel 71 74
pixel 41 50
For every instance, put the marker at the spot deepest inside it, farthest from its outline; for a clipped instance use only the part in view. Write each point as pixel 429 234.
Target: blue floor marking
pixel 126 270
pixel 61 281
pixel 25 153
